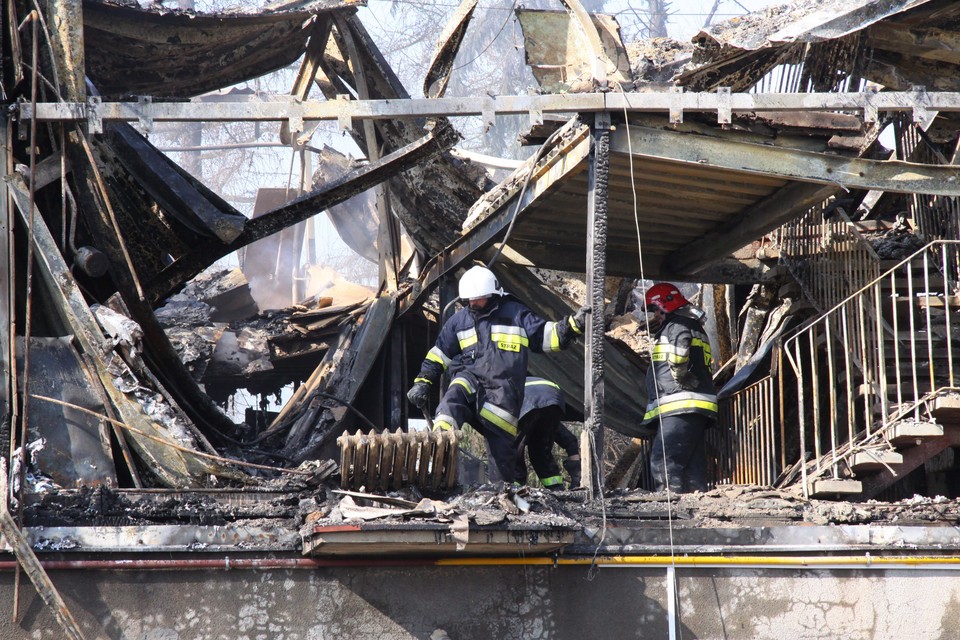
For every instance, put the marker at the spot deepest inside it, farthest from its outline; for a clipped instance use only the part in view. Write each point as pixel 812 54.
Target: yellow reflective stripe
pixel 533 383
pixel 500 418
pixel 506 328
pixel 438 356
pixel 551 481
pixel 444 423
pixel 680 404
pixel 467 338
pixel 573 325
pixel 422 380
pixel 463 383
pixel 668 353
pixel 707 351
pixel 551 338
pixel 508 338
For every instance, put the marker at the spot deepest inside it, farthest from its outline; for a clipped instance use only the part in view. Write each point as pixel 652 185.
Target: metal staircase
pixel 877 377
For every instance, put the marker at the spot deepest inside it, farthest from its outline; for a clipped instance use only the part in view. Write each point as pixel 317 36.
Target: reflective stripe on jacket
pixel 679 378
pixel 493 345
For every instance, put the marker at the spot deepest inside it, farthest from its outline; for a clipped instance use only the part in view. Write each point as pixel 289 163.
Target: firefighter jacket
pixel 679 379
pixel 540 393
pixel 494 345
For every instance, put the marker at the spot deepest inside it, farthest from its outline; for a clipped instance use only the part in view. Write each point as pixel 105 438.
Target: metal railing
pixel 874 358
pixel 744 447
pixel 827 257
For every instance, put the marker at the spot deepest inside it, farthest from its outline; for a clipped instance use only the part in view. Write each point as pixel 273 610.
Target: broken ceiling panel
pixel 554 50
pixel 176 54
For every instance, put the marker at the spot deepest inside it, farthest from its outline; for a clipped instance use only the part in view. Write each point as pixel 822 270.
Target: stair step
pixel 826 487
pixel 872 460
pixel 946 408
pixel 909 432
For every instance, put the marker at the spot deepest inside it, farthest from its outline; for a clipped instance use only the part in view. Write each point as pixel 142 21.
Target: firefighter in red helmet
pixel 682 399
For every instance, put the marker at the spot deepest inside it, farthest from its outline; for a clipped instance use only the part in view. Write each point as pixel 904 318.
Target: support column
pixel 6 290
pixel 65 21
pixel 596 275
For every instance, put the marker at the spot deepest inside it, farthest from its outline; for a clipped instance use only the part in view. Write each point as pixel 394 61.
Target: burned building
pixel 798 164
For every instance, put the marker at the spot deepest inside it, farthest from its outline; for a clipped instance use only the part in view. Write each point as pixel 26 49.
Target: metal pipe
pixel 856 562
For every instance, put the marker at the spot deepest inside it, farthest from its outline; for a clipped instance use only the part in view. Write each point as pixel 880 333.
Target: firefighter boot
pixel 572 465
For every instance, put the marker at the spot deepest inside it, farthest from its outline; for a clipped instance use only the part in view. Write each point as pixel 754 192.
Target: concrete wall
pixel 491 602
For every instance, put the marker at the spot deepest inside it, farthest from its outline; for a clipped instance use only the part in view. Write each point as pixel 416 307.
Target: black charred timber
pixel 596 275
pixel 164 360
pixel 350 184
pixel 177 192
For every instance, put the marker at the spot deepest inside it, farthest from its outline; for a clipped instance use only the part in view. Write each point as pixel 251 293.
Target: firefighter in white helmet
pixel 490 339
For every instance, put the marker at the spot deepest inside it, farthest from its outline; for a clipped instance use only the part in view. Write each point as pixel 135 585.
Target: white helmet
pixel 479 282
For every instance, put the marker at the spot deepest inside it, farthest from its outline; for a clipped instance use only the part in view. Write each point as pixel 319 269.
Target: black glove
pixel 419 394
pixel 580 318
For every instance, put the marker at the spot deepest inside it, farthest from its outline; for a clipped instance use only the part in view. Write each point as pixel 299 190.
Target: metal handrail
pixel 876 357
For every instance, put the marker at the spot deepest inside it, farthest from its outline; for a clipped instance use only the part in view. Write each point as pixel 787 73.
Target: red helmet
pixel 665 296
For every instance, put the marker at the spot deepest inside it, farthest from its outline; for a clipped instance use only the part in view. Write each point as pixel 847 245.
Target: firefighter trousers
pixel 678 456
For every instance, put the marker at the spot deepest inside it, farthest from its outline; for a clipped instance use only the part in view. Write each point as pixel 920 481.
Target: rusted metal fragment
pixel 76 450
pixel 556 53
pixel 178 194
pixel 205 253
pixel 132 51
pixel 448 44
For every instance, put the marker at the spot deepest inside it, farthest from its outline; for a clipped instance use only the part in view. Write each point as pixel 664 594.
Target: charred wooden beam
pixel 792 164
pixel 596 278
pixel 7 279
pixel 441 65
pixel 300 209
pixel 178 194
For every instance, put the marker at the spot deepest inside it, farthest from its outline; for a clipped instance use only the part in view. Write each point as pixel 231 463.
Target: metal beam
pixel 287 108
pixel 791 164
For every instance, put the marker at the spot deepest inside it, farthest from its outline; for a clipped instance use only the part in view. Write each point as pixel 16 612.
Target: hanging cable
pixel 636 219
